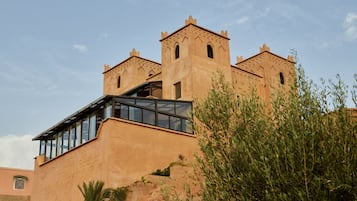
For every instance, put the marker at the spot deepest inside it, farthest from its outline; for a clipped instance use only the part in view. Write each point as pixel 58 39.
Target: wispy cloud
pixel 17 151
pixel 81 48
pixel 242 20
pixel 350 25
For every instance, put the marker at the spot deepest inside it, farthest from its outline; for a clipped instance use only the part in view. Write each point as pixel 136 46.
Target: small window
pixel 282 81
pixel 19 182
pixel 177 52
pixel 178 90
pixel 118 84
pixel 209 51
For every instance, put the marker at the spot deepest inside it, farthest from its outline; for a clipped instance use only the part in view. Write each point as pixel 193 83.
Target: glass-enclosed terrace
pixel 83 125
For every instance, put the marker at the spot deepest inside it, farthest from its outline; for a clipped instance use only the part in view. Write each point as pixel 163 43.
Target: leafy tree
pixel 93 191
pixel 303 147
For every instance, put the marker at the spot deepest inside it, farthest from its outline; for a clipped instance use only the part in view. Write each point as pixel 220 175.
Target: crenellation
pixel 190 20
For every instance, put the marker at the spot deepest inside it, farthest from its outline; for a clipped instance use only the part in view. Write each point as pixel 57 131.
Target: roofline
pixel 162 39
pixel 128 60
pixel 37 137
pixel 246 71
pixel 251 57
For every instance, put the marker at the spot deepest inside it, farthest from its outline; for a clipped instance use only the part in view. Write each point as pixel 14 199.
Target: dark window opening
pixel 178 90
pixel 282 81
pixel 209 51
pixel 118 84
pixel 177 52
pixel 19 183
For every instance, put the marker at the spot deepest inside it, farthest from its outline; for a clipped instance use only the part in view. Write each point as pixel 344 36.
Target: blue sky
pixel 52 53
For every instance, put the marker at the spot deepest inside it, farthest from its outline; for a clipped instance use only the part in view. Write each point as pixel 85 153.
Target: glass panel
pixel 175 123
pixel 53 151
pixel 135 114
pixel 72 137
pixel 163 120
pixel 166 106
pixel 59 144
pixel 146 103
pixel 183 109
pixel 108 110
pixel 42 147
pixel 48 150
pixel 78 133
pixel 65 141
pixel 85 128
pixel 187 126
pixel 100 116
pixel 117 108
pixel 124 111
pixel 92 126
pixel 149 117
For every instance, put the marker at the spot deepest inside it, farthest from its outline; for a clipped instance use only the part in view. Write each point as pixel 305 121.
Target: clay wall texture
pixel 121 154
pixel 7 189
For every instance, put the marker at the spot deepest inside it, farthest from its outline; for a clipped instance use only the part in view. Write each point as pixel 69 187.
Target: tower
pixel 190 57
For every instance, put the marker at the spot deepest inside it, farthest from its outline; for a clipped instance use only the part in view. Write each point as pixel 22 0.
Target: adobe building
pixel 15 184
pixel 142 121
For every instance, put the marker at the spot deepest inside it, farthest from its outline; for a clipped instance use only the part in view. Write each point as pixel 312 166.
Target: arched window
pixel 177 52
pixel 282 81
pixel 209 51
pixel 118 84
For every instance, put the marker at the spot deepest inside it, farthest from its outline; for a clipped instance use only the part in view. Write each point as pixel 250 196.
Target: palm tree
pixel 93 191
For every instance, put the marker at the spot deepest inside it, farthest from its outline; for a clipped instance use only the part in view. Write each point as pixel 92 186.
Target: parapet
pixel 134 53
pixel 190 20
pixel 264 48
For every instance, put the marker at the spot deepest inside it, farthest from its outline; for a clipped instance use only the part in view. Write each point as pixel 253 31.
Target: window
pixel 118 84
pixel 209 51
pixel 177 52
pixel 19 182
pixel 282 81
pixel 178 90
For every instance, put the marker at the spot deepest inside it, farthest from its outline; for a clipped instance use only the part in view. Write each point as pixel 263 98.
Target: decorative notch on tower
pixel 134 53
pixel 224 33
pixel 291 58
pixel 106 67
pixel 190 20
pixel 240 59
pixel 164 34
pixel 264 48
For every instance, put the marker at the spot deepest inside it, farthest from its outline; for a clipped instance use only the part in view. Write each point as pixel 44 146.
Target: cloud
pixel 17 151
pixel 350 25
pixel 242 20
pixel 80 47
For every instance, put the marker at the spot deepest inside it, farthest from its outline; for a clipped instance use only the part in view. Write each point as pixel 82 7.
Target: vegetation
pixel 93 191
pixel 303 147
pixel 116 194
pixel 165 172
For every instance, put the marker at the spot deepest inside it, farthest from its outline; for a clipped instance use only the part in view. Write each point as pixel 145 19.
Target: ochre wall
pixel 262 72
pixel 7 181
pixel 122 153
pixel 194 69
pixel 133 72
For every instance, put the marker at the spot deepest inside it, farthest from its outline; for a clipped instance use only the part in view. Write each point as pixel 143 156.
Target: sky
pixel 52 53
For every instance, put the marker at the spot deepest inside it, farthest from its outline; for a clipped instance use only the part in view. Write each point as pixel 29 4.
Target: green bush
pixel 303 147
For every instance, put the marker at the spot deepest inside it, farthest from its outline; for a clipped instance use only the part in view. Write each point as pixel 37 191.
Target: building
pixel 142 121
pixel 15 184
